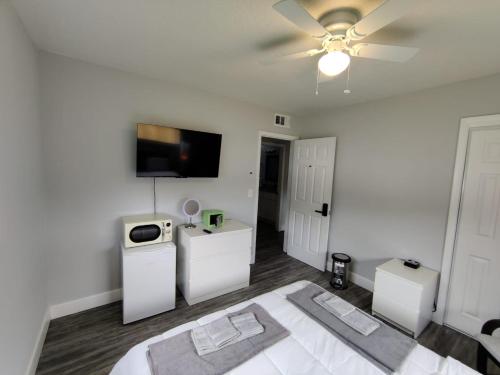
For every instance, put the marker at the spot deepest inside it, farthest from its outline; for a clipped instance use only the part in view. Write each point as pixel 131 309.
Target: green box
pixel 212 218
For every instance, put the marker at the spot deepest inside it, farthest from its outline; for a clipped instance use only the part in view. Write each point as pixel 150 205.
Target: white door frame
pixel 466 124
pixel 281 223
pixel 265 134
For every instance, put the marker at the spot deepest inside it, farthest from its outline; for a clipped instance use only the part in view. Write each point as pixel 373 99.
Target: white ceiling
pixel 217 45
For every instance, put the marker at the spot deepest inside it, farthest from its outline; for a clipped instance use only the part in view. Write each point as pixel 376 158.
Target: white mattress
pixel 310 349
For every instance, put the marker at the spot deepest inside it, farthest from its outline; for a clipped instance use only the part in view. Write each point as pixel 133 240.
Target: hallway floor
pixel 269 242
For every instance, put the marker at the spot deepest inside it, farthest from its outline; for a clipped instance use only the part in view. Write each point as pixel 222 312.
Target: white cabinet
pixel 404 296
pixel 209 265
pixel 148 274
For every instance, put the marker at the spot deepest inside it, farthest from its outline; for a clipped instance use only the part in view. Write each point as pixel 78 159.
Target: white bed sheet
pixel 310 349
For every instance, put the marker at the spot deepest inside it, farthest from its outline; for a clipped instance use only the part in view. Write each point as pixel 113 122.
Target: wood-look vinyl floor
pixel 91 342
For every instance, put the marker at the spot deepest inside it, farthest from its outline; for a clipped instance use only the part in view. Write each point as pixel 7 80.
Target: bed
pixel 310 349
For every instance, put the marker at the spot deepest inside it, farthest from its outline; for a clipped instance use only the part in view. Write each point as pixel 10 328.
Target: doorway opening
pixel 302 198
pixel 272 208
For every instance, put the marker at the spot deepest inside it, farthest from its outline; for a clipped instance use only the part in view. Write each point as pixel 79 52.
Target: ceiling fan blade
pixel 383 52
pixel 292 56
pixel 385 14
pixel 297 15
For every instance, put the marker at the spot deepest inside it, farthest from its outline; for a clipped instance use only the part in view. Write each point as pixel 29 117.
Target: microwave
pixel 143 230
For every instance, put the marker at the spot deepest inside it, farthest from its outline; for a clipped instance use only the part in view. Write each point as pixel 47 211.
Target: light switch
pixel 250 193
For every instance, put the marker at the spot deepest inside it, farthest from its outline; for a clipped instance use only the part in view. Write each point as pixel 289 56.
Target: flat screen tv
pixel 169 152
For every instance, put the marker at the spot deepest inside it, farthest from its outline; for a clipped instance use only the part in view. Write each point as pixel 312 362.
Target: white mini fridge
pixel 148 274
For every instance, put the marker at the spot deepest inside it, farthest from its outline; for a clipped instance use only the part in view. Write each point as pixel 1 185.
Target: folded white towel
pixel 360 322
pixel 334 304
pixel 247 325
pixel 349 314
pixel 221 331
pixel 214 335
pixel 225 331
pixel 202 341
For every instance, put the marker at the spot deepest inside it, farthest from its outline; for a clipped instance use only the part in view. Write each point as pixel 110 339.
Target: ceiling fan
pixel 338 29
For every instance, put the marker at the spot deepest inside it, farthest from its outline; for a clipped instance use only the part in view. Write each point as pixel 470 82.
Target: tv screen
pixel 171 152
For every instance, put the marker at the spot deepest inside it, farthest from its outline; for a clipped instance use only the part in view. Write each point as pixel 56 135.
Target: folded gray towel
pixel 177 355
pixel 386 347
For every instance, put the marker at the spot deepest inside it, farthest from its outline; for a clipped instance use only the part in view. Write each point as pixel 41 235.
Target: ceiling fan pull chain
pixel 347 91
pixel 317 82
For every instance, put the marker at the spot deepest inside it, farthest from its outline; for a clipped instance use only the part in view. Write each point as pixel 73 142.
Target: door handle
pixel 324 210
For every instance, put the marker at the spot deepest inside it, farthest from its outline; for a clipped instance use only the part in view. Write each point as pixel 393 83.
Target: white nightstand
pixel 404 296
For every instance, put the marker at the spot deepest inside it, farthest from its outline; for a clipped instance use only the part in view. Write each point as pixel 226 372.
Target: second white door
pixel 310 200
pixel 473 295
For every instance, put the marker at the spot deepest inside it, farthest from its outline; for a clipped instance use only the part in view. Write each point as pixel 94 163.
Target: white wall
pixel 392 182
pixel 22 262
pixel 393 173
pixel 89 116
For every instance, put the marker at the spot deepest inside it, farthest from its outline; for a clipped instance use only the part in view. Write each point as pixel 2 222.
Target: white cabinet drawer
pixel 214 245
pixel 394 288
pixel 396 312
pixel 199 288
pixel 218 267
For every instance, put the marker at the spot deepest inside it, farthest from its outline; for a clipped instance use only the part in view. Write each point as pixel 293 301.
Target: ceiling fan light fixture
pixel 334 63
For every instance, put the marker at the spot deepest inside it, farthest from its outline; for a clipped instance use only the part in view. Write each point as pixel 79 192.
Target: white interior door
pixel 310 200
pixel 475 278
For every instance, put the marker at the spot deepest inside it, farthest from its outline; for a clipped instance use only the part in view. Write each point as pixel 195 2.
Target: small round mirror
pixel 191 208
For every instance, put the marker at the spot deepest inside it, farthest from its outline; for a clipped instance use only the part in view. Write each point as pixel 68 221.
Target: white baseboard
pixel 40 339
pixel 361 281
pixel 329 264
pixel 355 278
pixel 85 303
pixel 63 309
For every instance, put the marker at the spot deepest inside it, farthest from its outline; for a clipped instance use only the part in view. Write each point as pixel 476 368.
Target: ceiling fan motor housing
pixel 335 44
pixel 338 21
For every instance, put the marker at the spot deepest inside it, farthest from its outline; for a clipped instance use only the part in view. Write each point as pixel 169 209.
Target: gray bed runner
pixel 386 347
pixel 177 355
